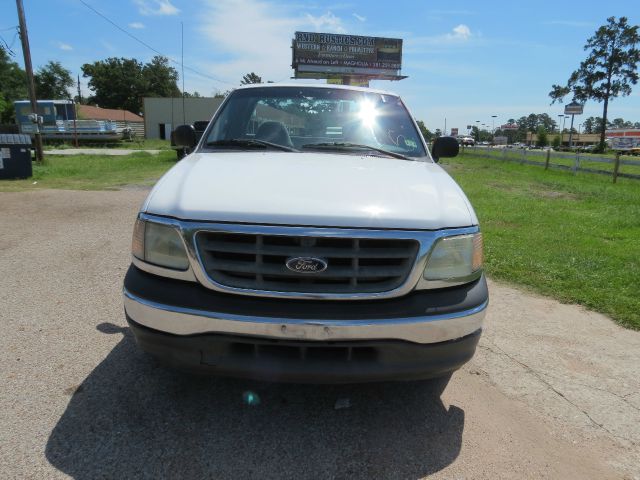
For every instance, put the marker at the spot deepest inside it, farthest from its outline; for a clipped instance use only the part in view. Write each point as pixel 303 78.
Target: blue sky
pixel 466 61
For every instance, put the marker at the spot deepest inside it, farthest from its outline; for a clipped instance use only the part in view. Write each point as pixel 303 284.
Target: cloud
pixel 360 18
pixel 255 36
pixel 459 35
pixel 136 25
pixel 156 7
pixel 461 32
pixel 108 46
pixel 569 23
pixel 327 22
pixel 64 46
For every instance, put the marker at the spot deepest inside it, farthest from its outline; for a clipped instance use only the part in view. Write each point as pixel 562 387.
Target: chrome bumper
pixel 185 321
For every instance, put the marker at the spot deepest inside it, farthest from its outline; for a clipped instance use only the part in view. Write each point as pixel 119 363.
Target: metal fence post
pixel 546 163
pixel 576 164
pixel 616 168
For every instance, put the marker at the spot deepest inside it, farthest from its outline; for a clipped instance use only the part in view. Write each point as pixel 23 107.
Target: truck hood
pixel 311 189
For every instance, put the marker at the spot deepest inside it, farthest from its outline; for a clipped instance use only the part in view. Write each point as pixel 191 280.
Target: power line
pixel 142 42
pixel 9 48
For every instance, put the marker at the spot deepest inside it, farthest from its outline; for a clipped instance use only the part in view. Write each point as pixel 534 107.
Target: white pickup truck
pixel 310 236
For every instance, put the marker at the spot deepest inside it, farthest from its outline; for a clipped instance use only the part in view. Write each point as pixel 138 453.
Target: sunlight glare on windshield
pixel 367 113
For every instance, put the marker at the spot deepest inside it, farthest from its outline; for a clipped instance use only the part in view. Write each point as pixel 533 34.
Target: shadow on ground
pixel 131 419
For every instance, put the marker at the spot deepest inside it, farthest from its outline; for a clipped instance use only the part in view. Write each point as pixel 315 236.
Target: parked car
pixel 587 148
pixel 303 242
pixel 466 141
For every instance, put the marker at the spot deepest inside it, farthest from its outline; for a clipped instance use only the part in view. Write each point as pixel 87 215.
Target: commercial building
pixel 162 115
pixel 577 139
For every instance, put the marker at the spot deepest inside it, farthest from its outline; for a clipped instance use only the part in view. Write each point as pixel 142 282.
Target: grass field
pixel 563 158
pixel 138 144
pixel 95 172
pixel 572 237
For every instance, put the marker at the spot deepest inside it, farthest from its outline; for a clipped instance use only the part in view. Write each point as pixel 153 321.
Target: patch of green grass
pixel 572 237
pixel 563 158
pixel 137 144
pixel 94 172
pixel 146 144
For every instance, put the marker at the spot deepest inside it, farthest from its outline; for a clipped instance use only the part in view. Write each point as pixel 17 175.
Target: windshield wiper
pixel 249 142
pixel 348 146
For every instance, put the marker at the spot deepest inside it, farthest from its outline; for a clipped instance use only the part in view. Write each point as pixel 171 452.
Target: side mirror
pixel 185 136
pixel 445 147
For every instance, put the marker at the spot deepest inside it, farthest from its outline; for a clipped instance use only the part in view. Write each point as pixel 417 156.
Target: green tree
pixel 160 79
pixel 544 120
pixel 556 142
pixel 426 133
pixel 621 123
pixel 53 82
pixel 532 122
pixel 543 140
pixel 13 86
pixel 250 78
pixel 608 71
pixel 116 83
pixel 123 82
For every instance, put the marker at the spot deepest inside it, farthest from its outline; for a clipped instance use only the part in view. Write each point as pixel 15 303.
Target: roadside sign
pixel 509 126
pixel 573 109
pixel 326 55
pixel 454 132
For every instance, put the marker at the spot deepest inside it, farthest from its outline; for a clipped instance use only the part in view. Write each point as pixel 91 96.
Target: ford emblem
pixel 306 265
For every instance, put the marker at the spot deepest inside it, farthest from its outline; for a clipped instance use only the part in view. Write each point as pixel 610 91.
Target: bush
pixel 543 141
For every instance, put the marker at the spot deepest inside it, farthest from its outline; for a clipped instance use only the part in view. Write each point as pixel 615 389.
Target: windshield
pixel 309 118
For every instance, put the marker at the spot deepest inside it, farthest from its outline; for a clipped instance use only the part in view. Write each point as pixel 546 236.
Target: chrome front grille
pixel 258 262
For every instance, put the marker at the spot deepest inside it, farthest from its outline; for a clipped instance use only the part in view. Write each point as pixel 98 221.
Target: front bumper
pixel 426 333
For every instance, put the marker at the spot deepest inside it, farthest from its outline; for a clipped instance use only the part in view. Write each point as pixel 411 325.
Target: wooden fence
pixel 574 162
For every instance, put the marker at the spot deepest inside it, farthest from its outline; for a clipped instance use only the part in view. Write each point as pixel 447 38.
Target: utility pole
pixel 24 38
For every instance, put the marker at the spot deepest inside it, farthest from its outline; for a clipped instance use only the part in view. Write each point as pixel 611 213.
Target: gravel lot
pixel 553 391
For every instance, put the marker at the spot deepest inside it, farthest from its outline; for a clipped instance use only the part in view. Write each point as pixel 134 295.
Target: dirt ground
pixel 553 391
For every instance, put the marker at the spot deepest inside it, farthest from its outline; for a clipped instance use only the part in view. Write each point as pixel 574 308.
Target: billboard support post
pixel 572 109
pixel 571 131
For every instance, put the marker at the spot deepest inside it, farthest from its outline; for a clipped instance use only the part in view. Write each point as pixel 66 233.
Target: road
pixel 553 391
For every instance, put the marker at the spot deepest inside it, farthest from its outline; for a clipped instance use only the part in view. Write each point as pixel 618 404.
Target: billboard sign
pixel 509 126
pixel 573 109
pixel 454 132
pixel 328 54
pixel 623 139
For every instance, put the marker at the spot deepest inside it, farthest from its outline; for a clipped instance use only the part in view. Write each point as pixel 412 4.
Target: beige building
pixel 162 115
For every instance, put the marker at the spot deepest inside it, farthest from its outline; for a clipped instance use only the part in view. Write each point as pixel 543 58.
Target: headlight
pixel 159 244
pixel 454 258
